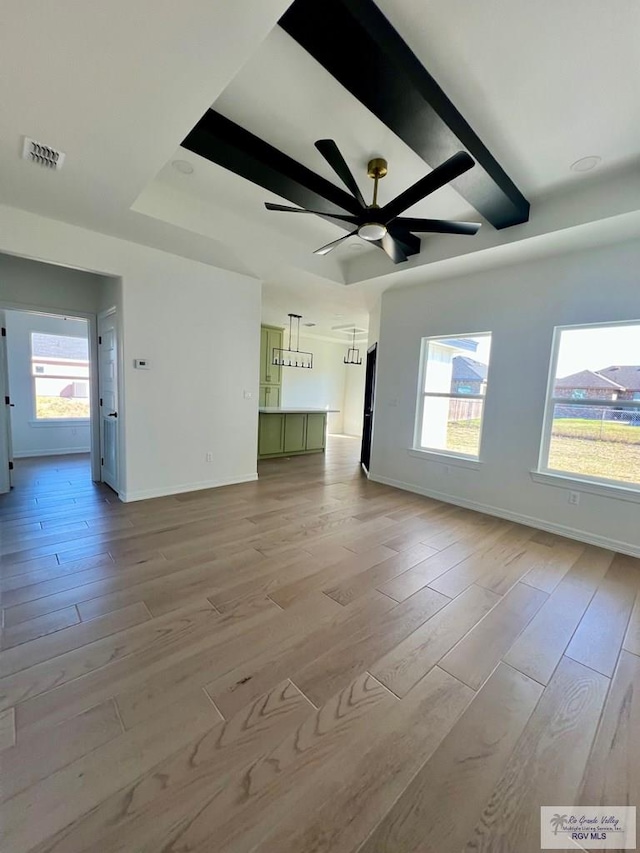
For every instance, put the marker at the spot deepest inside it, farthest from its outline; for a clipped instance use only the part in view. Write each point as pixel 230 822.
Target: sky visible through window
pixel 483 350
pixel 595 349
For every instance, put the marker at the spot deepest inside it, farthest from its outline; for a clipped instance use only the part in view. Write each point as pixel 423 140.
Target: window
pixel 592 421
pixel 453 384
pixel 60 371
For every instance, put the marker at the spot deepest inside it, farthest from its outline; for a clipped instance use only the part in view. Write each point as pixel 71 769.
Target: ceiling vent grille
pixel 42 155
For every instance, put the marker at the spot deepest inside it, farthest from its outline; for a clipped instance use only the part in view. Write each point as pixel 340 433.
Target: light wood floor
pixel 308 663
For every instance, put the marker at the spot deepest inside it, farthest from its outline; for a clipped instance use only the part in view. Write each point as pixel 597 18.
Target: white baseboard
pixel 145 494
pixel 27 454
pixel 529 521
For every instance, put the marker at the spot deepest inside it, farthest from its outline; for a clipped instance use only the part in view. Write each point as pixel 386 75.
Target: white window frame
pixel 554 476
pixel 436 452
pixel 55 422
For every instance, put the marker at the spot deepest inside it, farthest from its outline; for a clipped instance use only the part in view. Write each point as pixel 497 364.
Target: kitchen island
pixel 291 431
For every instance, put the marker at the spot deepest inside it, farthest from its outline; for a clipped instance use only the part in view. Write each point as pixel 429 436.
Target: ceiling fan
pixel 384 226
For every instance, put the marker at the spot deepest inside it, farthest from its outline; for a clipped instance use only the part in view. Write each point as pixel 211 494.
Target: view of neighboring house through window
pixel 453 384
pixel 592 427
pixel 60 371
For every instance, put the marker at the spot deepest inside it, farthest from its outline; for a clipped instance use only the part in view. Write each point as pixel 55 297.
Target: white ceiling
pixel 542 83
pixel 117 86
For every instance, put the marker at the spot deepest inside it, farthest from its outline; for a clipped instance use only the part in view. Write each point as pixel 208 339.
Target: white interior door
pixel 6 452
pixel 108 392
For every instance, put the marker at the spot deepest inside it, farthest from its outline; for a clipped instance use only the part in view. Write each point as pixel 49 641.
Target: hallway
pixel 42 476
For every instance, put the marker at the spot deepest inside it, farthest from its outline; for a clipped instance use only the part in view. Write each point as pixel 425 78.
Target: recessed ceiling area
pixel 287 98
pixel 536 118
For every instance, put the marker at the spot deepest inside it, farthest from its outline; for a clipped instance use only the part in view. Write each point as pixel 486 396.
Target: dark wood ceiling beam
pixel 223 142
pixel 354 41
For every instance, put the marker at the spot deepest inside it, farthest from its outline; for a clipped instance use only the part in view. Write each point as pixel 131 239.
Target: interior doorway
pixel 369 401
pixel 48 378
pixel 6 450
pixel 108 391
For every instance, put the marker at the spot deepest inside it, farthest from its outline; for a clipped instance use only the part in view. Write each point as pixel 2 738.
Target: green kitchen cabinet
pixel 269 396
pixel 316 431
pixel 289 433
pixel 264 355
pixel 271 435
pixel 295 432
pixel 270 338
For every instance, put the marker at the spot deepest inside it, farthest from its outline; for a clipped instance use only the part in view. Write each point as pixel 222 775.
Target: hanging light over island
pixel 353 353
pixel 292 356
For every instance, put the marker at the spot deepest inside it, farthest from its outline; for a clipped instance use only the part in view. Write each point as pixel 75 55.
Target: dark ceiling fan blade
pixel 438 226
pixel 334 158
pixel 393 248
pixel 441 175
pixel 409 242
pixel 324 250
pixel 284 209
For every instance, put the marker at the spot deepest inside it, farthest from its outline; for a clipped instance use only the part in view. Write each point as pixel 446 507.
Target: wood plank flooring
pixel 312 663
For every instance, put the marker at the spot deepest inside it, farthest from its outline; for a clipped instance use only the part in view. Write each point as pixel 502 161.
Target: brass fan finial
pixel 377 168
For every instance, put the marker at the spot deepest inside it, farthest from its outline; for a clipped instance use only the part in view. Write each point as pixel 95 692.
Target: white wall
pixel 354 395
pixel 186 318
pixel 32 438
pixel 321 387
pixel 28 283
pixel 109 293
pixel 520 305
pixel 375 318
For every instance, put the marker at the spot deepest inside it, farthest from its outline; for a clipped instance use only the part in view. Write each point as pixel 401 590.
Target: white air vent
pixel 43 155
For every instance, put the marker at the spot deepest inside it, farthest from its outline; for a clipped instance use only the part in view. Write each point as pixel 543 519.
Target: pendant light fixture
pixel 353 353
pixel 292 356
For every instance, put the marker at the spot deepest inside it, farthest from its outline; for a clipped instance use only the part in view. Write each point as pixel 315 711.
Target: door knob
pixel 112 415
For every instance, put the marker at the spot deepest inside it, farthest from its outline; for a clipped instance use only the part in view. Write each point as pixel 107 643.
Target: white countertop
pixel 272 410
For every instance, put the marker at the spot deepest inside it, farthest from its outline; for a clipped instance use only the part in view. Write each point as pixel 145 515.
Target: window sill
pixel 593 487
pixel 446 458
pixel 54 422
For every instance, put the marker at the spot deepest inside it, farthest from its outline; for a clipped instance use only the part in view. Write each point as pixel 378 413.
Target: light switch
pixel 141 364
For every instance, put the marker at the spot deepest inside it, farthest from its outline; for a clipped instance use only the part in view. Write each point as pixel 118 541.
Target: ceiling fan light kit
pixel 292 356
pixel 384 226
pixel 372 231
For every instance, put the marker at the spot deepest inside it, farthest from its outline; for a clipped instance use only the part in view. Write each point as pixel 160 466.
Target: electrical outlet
pixel 209 457
pixel 574 498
